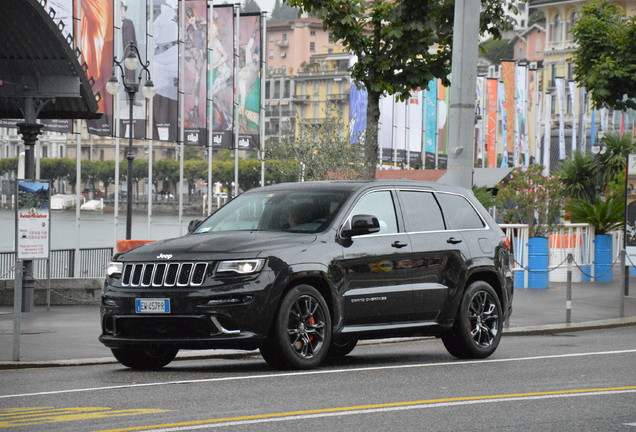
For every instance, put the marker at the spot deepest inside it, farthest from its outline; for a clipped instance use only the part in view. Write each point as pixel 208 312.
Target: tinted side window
pixel 380 205
pixel 459 213
pixel 421 211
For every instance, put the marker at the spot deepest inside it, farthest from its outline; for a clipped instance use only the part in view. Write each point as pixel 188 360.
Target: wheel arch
pixel 317 278
pixel 492 279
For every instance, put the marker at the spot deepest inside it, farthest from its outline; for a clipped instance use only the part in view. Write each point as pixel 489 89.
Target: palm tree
pixel 603 215
pixel 578 176
pixel 586 173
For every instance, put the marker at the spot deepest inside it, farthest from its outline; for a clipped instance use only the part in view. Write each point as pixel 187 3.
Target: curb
pixel 238 355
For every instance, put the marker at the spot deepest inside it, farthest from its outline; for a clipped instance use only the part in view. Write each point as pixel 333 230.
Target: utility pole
pixel 462 98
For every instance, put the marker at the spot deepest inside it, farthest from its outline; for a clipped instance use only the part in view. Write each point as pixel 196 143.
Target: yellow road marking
pixel 16 417
pixel 371 407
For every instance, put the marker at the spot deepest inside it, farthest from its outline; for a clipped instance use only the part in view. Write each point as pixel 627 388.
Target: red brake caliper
pixel 311 321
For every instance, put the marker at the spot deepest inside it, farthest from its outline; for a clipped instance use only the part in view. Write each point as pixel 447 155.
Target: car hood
pixel 216 245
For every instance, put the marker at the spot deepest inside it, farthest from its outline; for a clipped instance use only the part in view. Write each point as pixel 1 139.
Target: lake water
pixel 96 229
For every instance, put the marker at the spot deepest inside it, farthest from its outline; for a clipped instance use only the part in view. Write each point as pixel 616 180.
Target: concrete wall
pixel 64 292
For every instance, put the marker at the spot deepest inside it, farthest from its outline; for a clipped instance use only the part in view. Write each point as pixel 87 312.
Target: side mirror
pixel 193 224
pixel 361 225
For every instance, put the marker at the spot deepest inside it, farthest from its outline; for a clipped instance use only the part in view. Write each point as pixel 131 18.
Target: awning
pixel 489 177
pixel 37 62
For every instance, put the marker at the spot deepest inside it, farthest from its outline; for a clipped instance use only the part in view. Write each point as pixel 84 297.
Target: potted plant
pixel 530 197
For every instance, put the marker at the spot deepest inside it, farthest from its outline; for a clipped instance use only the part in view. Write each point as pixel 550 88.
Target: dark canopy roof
pixel 37 61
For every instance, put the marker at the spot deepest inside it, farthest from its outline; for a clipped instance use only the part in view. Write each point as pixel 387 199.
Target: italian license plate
pixel 152 305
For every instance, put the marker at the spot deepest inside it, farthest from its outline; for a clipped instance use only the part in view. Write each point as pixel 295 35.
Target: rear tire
pixel 478 326
pixel 146 358
pixel 301 332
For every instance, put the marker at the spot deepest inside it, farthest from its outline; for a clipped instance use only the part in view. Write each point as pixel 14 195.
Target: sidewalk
pixel 67 335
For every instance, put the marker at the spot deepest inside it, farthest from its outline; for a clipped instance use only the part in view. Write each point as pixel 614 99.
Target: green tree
pixel 527 196
pixel 322 151
pixel 394 41
pixel 497 50
pixel 579 176
pixel 282 12
pixel 604 215
pixel 8 166
pixel 605 56
pixel 250 6
pixel 166 171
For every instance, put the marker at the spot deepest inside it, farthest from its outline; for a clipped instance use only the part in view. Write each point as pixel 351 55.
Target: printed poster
pixel 33 219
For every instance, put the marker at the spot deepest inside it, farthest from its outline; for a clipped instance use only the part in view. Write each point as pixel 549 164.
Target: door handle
pixel 397 244
pixel 453 240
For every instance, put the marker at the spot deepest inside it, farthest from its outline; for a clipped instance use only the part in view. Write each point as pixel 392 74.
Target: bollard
pixel 623 287
pixel 568 298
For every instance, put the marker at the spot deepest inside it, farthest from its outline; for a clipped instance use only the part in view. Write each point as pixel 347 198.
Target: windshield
pixel 290 211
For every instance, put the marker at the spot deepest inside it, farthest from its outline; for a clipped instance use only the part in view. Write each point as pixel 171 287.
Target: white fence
pixel 575 239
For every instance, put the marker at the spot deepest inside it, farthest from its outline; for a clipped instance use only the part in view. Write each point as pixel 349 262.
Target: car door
pixel 377 283
pixel 439 254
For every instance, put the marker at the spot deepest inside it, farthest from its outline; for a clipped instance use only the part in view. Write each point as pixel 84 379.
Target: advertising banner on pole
pixel 165 70
pixel 630 214
pixel 491 121
pixel 430 122
pixel 131 25
pixel 195 70
pixel 220 80
pixel 508 72
pixel 249 83
pixel 33 219
pixel 96 43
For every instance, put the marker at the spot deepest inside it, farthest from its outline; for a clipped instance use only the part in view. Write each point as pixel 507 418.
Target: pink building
pixel 530 44
pixel 291 43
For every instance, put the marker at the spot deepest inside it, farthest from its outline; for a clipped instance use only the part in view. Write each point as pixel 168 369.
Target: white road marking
pixel 316 372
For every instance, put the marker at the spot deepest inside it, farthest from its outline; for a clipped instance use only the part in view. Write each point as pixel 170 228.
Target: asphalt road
pixel 583 381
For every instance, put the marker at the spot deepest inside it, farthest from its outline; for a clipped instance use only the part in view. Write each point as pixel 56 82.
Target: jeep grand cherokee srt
pixel 305 270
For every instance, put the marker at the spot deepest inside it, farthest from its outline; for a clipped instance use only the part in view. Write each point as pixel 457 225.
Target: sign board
pixel 630 210
pixel 33 219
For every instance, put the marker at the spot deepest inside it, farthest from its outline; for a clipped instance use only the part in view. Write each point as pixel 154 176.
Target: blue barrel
pixel 585 271
pixel 603 258
pixel 520 276
pixel 538 262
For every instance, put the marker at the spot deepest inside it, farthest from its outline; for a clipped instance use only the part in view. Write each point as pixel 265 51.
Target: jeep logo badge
pixel 164 256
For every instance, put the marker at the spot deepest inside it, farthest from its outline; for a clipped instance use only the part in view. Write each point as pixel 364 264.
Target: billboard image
pixel 96 43
pixel 131 17
pixel 165 69
pixel 221 80
pixel 195 70
pixel 33 219
pixel 248 82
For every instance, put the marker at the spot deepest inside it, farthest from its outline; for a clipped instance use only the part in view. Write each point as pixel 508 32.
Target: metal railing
pixel 92 264
pixel 575 239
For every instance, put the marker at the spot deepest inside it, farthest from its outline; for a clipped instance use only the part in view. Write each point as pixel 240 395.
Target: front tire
pixel 301 332
pixel 478 326
pixel 146 358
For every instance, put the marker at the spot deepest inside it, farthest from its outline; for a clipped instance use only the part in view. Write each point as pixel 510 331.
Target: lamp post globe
pixel 132 61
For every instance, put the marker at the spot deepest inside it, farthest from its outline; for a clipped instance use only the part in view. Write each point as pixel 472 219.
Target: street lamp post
pixel 598 149
pixel 132 60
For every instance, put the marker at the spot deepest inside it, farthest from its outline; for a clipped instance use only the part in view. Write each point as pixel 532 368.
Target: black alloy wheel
pixel 301 333
pixel 478 326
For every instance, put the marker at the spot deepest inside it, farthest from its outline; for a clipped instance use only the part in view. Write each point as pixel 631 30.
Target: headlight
pixel 114 269
pixel 242 267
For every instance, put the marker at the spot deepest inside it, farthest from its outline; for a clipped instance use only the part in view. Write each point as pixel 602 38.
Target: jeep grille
pixel 164 274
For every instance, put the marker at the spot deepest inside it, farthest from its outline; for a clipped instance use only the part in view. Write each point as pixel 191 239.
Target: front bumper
pixel 230 315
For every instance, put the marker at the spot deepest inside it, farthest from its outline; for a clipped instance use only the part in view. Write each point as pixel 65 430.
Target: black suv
pixel 305 270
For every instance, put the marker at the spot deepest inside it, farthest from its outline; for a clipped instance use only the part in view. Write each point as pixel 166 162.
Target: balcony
pixel 338 97
pixel 282 43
